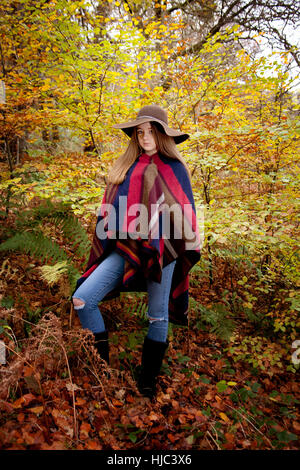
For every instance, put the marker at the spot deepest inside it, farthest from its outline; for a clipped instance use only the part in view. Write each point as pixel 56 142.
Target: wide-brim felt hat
pixel 153 113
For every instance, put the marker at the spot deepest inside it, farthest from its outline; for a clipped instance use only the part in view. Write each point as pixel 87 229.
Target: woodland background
pixel 71 70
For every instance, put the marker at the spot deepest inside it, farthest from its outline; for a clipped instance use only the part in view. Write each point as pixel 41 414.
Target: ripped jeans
pixel 106 277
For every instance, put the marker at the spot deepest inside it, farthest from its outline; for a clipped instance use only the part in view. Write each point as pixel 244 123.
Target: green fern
pixel 139 308
pixel 35 244
pixel 60 216
pixel 218 317
pixel 73 232
pixel 41 247
pixel 53 273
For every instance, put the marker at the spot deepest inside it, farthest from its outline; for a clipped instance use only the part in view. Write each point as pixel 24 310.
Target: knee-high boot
pixel 101 344
pixel 152 357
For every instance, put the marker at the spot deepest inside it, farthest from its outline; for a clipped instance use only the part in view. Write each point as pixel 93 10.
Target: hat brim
pixel 128 127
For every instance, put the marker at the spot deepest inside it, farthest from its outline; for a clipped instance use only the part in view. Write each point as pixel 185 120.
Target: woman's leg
pixel 158 304
pixel 100 282
pixel 155 343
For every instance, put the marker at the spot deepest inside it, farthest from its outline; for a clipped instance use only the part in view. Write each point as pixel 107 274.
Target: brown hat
pixel 153 113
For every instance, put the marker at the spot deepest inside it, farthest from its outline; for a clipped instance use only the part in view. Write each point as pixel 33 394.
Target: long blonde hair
pixel 165 146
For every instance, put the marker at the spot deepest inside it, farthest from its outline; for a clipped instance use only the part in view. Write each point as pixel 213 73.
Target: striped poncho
pixel 150 220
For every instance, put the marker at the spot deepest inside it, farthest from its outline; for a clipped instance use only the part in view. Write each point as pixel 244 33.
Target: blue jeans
pixel 106 277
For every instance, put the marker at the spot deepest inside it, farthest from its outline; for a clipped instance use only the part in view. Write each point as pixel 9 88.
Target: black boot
pixel 101 344
pixel 152 357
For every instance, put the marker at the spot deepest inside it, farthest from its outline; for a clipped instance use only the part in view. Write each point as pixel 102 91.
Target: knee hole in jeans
pixel 151 320
pixel 78 303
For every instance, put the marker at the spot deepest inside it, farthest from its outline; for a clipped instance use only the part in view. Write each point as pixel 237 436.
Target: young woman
pixel 146 238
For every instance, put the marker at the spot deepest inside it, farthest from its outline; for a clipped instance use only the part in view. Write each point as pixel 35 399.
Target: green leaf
pixel 7 302
pixel 285 436
pixel 133 437
pixel 222 386
pixel 204 379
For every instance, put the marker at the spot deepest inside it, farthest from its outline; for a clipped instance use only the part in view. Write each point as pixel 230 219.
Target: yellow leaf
pixel 224 417
pixel 231 383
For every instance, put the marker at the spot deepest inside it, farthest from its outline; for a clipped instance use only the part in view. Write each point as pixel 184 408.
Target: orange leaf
pixel 37 409
pixel 84 430
pixel 229 437
pixel 93 445
pixel 296 426
pixel 80 401
pixel 172 438
pixel 130 399
pixel 157 429
pixel 116 402
pixel 24 400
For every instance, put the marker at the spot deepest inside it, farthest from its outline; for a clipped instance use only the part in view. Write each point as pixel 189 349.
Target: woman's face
pixel 146 138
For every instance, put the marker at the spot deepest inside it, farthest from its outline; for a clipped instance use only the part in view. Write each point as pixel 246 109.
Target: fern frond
pixel 37 245
pixel 52 274
pixel 73 231
pixel 224 328
pixel 218 317
pixel 61 216
pixel 139 307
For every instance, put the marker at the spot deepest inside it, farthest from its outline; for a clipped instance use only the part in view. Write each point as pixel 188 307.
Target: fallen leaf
pixel 153 417
pixel 72 387
pixel 80 401
pixel 116 402
pixel 93 445
pixel 229 437
pixel 24 400
pixel 224 417
pixel 37 409
pixel 120 394
pixel 209 396
pixel 157 429
pixel 172 438
pixel 129 398
pixel 190 439
pixel 182 419
pixel 84 430
pixel 63 421
pixel 296 426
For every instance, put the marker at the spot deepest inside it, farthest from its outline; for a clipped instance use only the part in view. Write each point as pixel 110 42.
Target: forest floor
pixel 56 393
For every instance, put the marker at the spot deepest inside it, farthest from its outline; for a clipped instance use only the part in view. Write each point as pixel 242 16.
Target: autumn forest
pixel 227 72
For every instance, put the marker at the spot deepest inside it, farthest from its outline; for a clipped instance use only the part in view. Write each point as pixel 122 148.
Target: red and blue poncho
pixel 150 220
